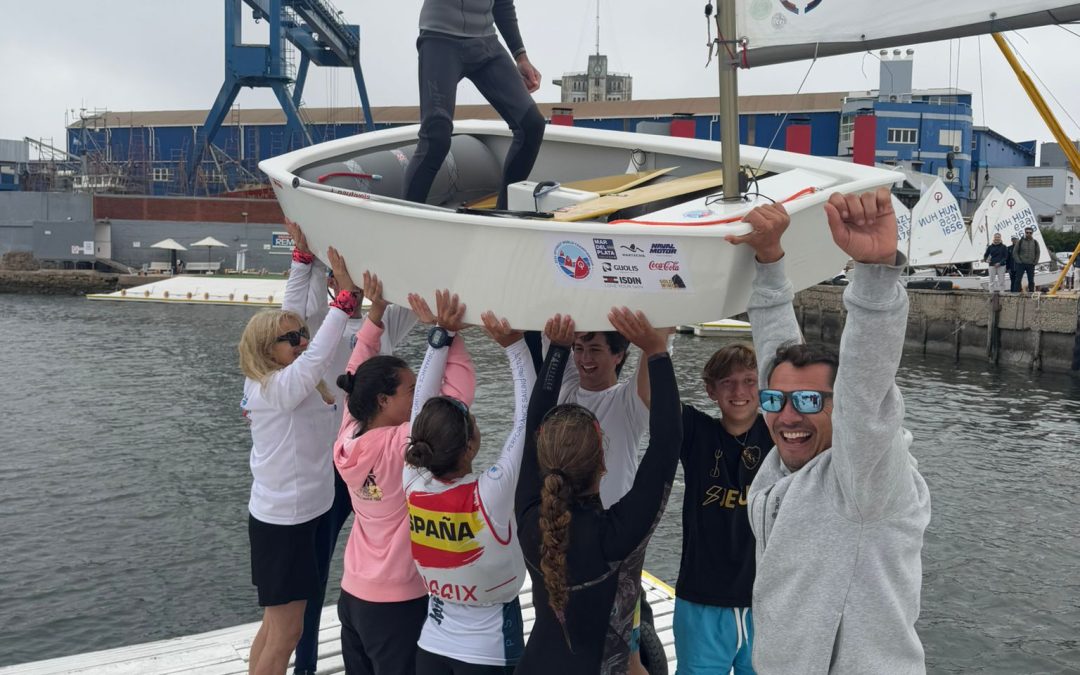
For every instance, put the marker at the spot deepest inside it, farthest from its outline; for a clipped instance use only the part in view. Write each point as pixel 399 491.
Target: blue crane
pixel 317 31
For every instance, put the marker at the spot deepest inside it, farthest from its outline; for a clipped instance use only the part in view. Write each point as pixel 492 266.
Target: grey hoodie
pixel 839 542
pixel 473 18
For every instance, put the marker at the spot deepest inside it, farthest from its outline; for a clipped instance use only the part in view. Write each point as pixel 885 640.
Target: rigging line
pixel 791 102
pixel 1045 87
pixel 1068 31
pixel 982 88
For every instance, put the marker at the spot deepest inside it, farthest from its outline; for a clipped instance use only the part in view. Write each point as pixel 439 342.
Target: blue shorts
pixel 712 639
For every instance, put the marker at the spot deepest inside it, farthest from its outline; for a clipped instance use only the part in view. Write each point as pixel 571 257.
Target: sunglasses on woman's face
pixel 293 337
pixel 805 401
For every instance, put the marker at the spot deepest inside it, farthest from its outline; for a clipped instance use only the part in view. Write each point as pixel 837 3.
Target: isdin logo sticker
pixel 800 7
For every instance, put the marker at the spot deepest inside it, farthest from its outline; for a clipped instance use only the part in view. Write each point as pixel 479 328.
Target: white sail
pixel 778 31
pixel 981 222
pixel 937 227
pixel 903 223
pixel 1012 215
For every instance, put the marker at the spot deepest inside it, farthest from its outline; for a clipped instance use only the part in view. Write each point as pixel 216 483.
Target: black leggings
pixel 444 61
pixel 433 664
pixel 379 638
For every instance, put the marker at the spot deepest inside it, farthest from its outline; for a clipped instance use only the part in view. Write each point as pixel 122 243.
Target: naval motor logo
pixel 573 260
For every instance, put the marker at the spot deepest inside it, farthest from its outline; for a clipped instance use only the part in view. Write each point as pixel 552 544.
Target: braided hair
pixel 569 448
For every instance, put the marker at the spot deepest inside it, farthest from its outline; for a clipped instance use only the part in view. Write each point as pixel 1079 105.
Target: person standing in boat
pixel 458 40
pixel 383 598
pixel 585 561
pixel 305 293
pixel 292 416
pixel 997 255
pixel 713 621
pixel 461 523
pixel 839 509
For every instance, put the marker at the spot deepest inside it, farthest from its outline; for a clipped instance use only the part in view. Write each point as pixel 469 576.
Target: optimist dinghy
pixel 609 218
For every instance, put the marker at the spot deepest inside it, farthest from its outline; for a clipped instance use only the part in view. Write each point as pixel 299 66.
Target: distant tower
pixel 596 83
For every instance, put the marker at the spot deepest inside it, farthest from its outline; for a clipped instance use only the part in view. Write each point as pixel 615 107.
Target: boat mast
pixel 729 98
pixel 1055 128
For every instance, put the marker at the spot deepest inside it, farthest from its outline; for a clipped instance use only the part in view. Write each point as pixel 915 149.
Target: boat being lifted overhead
pixel 610 218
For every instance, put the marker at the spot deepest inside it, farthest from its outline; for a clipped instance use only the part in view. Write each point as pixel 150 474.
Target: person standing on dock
pixel 1014 270
pixel 293 417
pixel 997 255
pixel 305 293
pixel 713 621
pixel 584 559
pixel 458 40
pixel 1027 253
pixel 839 509
pixel 383 600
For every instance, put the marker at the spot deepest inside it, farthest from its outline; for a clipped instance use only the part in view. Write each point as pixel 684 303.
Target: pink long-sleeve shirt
pixel 378 557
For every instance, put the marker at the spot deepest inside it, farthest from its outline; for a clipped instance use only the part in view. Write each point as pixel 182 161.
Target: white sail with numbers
pixel 778 31
pixel 1012 215
pixel 937 228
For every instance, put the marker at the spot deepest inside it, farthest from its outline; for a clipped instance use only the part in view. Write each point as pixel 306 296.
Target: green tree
pixel 1060 241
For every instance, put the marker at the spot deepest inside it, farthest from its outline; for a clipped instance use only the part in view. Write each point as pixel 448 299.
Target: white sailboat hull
pixel 510 265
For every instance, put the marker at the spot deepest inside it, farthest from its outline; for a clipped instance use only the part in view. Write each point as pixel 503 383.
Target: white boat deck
pixel 225 651
pixel 204 290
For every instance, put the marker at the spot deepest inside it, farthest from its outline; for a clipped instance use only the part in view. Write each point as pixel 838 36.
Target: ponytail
pixel 377 376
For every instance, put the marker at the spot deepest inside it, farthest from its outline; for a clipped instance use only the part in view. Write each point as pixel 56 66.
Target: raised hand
pixel 340 269
pixel 421 309
pixel 559 330
pixel 769 222
pixel 299 240
pixel 637 329
pixel 864 226
pixel 499 330
pixel 449 310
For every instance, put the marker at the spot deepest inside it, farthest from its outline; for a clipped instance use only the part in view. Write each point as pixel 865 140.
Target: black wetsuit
pixel 607 547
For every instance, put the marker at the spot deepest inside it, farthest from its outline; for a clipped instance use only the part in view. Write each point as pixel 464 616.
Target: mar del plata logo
pixel 573 260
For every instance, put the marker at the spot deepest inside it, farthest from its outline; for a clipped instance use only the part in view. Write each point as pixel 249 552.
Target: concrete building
pixel 1051 154
pixel 595 84
pixel 1052 191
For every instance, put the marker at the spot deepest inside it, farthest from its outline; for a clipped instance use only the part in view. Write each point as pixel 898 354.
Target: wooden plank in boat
pixel 604 185
pixel 608 204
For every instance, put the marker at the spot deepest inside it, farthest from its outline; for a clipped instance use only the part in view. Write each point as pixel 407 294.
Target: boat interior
pixel 570 181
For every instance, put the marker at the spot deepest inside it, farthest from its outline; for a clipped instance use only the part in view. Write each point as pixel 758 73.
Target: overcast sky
pixel 61 55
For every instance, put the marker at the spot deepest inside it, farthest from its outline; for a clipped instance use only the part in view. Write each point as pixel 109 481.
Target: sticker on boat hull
pixel 640 264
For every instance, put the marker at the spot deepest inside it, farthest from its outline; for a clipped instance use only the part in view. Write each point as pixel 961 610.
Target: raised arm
pixel 545 396
pixel 446 370
pixel 292 384
pixel 498 484
pixel 870 447
pixel 772 315
pixel 633 518
pixel 644 390
pixel 298 285
pixel 369 337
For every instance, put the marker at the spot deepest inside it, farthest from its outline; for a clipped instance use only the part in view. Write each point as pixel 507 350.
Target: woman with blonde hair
pixel 585 561
pixel 293 417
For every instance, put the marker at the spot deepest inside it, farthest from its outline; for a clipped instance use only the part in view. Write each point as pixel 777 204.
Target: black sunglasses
pixel 805 401
pixel 464 409
pixel 293 337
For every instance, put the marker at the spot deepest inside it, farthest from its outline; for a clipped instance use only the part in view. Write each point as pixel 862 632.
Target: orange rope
pixel 722 221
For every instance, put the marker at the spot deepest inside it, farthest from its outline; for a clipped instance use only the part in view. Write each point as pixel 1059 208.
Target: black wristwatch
pixel 438 337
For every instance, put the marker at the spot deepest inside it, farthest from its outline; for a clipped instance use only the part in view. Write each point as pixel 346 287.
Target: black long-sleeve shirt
pixel 607 547
pixel 997 254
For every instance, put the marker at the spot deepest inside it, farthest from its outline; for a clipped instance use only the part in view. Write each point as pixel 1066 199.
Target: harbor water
pixel 124 474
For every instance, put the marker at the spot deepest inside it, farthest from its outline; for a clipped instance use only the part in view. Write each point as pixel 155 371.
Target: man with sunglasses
pixel 840 508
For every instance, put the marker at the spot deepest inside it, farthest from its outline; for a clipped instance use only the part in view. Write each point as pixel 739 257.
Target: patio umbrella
pixel 172 246
pixel 209 243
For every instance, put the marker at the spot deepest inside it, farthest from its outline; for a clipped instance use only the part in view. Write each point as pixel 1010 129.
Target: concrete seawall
pixel 67 282
pixel 1038 333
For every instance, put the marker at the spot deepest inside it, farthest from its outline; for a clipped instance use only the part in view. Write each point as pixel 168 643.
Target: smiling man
pixel 839 510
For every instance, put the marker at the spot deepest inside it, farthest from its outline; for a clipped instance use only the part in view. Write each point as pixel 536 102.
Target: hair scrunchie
pixel 305 258
pixel 346 301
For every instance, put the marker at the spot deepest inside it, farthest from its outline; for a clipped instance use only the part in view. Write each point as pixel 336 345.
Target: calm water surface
pixel 124 477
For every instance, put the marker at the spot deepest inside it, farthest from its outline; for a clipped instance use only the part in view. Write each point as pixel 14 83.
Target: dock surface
pixel 225 651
